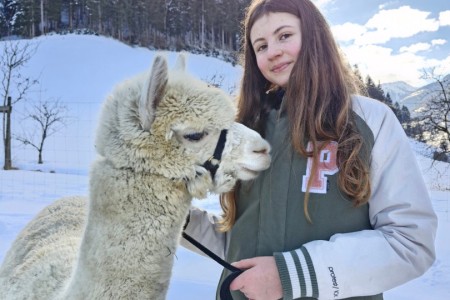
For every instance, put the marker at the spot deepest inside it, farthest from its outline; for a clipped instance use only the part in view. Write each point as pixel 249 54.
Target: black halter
pixel 212 164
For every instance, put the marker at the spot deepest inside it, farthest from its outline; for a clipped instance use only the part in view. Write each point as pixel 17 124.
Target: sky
pixel 80 70
pixel 392 40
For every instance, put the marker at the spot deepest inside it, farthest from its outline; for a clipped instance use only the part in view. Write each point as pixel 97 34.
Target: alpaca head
pixel 168 123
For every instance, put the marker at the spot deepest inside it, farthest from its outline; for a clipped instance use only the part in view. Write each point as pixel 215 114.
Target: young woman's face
pixel 276 40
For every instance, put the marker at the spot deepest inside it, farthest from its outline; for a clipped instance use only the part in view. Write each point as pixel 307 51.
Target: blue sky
pixel 392 40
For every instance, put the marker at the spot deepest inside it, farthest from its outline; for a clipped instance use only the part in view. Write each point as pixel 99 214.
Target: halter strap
pixel 212 164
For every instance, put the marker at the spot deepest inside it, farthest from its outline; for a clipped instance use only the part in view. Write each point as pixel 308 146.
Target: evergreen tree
pixel 405 115
pixel 371 89
pixel 377 92
pixel 31 17
pixel 3 24
pixel 179 23
pixel 397 111
pixel 11 13
pixel 359 79
pixel 52 16
pixel 388 99
pixel 380 93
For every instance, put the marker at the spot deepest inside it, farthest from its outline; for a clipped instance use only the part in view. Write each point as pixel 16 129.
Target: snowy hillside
pixel 80 71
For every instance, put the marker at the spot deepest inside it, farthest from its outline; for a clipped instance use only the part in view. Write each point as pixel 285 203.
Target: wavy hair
pixel 317 100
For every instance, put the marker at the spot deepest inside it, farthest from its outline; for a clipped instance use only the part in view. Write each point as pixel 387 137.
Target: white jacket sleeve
pixel 401 245
pixel 202 226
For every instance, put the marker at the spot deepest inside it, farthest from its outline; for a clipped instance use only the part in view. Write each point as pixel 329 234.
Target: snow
pixel 80 70
pixel 398 90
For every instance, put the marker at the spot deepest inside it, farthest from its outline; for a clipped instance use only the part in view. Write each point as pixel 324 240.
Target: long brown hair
pixel 317 100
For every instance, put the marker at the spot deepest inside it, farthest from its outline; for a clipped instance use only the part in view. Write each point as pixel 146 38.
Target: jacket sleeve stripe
pixel 298 283
pixel 312 272
pixel 284 275
pixel 297 274
pixel 303 271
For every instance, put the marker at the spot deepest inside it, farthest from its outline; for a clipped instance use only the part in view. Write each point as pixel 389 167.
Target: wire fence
pixel 71 150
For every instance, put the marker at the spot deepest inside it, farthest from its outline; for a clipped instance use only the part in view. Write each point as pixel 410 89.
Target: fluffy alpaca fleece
pixel 155 132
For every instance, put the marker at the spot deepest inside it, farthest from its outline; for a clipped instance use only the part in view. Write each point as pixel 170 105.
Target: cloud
pixel 366 45
pixel 348 31
pixel 438 42
pixel 415 48
pixel 444 66
pixel 383 65
pixel 402 22
pixel 444 18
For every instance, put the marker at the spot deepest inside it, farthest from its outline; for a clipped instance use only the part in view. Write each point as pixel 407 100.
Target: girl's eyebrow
pixel 274 33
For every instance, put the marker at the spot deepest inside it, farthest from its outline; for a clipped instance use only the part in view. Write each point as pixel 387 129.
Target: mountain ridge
pixel 412 97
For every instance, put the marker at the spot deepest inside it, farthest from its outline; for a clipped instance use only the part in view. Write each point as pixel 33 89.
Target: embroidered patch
pixel 327 166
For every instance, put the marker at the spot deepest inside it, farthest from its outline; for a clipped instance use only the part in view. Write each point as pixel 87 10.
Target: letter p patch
pixel 327 165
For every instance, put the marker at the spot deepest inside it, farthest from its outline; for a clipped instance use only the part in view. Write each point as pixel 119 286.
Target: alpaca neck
pixel 132 232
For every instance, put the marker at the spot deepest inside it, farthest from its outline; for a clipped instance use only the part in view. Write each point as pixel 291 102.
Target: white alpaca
pixel 155 133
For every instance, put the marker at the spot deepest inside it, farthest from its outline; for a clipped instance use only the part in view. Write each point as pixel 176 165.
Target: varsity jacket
pixel 346 252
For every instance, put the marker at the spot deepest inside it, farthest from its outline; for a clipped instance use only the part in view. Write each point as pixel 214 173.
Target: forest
pixel 204 26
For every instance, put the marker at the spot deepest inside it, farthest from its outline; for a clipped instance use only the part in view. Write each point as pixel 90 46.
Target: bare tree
pixel 217 80
pixel 14 55
pixel 435 115
pixel 50 117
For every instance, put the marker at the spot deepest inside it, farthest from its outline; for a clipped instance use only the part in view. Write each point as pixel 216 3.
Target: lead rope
pixel 225 293
pixel 212 164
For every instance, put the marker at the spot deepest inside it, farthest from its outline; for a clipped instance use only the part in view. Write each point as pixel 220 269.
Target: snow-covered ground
pixel 80 71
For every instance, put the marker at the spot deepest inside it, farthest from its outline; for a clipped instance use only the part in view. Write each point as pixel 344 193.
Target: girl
pixel 343 212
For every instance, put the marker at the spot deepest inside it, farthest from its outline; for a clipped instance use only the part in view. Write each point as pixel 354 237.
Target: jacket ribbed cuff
pixel 297 274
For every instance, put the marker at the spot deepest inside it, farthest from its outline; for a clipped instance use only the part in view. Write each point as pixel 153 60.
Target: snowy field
pixel 80 71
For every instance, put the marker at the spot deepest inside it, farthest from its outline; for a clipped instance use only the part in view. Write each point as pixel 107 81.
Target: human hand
pixel 260 280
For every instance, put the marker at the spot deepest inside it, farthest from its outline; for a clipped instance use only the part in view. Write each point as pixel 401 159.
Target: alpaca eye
pixel 195 137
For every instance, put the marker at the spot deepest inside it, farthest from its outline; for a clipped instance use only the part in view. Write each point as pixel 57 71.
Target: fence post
pixel 7 142
pixel 6 109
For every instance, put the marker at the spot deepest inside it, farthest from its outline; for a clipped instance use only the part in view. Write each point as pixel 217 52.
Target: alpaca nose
pixel 263 148
pixel 261 151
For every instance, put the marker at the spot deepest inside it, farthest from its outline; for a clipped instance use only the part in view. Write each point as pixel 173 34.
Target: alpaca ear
pixel 153 91
pixel 180 64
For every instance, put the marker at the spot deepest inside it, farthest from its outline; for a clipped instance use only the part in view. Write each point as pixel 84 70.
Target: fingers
pixel 245 263
pixel 260 280
pixel 237 283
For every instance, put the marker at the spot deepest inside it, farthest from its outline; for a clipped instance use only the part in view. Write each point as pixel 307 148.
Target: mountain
pixel 415 100
pixel 411 97
pixel 398 90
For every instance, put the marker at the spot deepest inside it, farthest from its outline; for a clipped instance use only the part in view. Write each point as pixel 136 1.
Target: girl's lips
pixel 280 67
